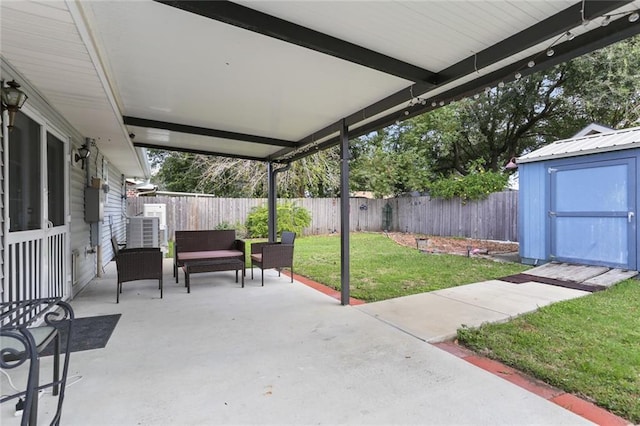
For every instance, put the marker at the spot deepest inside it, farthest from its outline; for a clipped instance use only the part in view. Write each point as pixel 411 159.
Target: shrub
pixel 290 218
pixel 476 185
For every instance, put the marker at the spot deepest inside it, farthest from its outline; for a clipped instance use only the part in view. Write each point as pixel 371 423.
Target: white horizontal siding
pixel 114 214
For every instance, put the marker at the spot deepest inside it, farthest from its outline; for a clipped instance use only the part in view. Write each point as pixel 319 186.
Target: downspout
pixel 272 197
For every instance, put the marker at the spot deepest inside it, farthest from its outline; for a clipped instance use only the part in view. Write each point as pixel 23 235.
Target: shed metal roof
pixel 273 80
pixel 584 145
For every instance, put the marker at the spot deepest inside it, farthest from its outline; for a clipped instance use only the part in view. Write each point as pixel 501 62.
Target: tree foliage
pixel 291 217
pixel 476 185
pixel 314 176
pixel 503 122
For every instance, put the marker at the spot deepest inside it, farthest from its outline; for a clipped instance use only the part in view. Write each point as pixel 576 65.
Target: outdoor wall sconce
pixel 511 164
pixel 12 100
pixel 83 153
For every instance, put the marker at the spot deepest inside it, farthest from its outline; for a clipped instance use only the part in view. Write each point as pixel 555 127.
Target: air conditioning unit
pixel 159 211
pixel 156 210
pixel 143 232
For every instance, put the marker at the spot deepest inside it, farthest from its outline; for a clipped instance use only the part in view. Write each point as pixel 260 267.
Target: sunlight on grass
pixel 588 346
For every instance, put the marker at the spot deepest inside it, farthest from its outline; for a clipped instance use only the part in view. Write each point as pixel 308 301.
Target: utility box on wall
pixel 93 205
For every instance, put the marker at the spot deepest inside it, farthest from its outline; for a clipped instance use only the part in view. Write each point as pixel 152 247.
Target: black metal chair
pixel 137 264
pixel 274 255
pixel 21 342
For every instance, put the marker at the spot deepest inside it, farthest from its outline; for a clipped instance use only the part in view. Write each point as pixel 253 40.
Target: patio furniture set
pixel 29 326
pixel 203 251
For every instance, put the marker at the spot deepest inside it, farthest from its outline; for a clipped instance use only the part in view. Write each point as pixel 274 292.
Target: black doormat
pixel 88 333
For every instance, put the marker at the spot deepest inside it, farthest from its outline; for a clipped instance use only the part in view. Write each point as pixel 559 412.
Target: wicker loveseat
pixel 206 245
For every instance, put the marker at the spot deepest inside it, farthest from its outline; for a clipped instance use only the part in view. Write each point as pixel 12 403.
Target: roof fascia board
pixel 588 42
pixel 204 131
pixel 271 26
pixel 195 151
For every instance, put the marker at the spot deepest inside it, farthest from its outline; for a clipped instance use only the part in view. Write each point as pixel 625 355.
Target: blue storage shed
pixel 578 201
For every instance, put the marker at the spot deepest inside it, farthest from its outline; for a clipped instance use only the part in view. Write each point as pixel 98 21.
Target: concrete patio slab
pixel 508 298
pixel 279 354
pixel 430 317
pixel 435 316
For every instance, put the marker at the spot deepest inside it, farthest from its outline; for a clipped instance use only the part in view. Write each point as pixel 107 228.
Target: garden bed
pixel 452 245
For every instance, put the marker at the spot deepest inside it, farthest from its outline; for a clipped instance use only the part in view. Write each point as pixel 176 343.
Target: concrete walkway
pixel 435 316
pixel 283 354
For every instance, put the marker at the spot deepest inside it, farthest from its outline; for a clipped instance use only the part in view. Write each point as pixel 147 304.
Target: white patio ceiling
pixel 272 80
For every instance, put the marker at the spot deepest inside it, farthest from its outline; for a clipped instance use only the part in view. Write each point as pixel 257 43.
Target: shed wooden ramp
pixel 580 277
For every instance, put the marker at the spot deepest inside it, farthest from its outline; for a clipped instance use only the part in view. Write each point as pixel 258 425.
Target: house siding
pixel 114 222
pixel 79 230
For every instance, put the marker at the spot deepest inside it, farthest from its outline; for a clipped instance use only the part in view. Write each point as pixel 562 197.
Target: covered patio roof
pixel 272 80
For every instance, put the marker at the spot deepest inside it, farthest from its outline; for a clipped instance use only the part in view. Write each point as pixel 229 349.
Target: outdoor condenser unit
pixel 143 232
pixel 156 210
pixel 159 211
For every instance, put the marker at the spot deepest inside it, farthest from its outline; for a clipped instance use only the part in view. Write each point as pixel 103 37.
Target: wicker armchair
pixel 138 264
pixel 273 255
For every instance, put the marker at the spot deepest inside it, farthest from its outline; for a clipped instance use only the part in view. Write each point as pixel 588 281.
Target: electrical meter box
pixel 93 205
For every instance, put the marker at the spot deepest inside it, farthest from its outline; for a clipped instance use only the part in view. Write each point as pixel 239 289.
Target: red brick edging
pixel 568 401
pixel 323 288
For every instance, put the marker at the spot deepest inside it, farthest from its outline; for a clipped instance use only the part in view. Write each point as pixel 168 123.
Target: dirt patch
pixel 450 245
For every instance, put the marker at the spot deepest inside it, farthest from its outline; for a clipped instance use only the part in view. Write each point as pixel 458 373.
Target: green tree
pixel 476 185
pixel 503 122
pixel 387 163
pixel 179 172
pixel 313 176
pixel 605 87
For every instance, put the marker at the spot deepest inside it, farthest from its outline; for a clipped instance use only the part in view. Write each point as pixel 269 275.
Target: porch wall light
pixel 83 153
pixel 12 100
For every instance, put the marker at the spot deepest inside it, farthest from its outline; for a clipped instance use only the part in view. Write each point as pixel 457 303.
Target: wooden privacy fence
pixel 495 218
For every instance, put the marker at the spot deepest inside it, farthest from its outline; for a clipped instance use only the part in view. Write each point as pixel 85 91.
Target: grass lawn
pixel 382 269
pixel 589 346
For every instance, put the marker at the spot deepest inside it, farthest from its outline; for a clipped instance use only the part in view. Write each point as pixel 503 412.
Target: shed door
pixel 592 213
